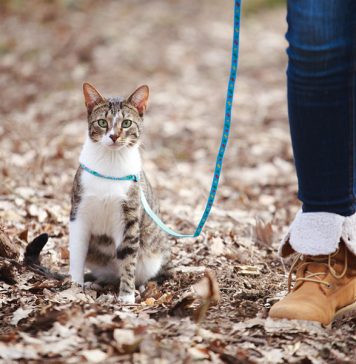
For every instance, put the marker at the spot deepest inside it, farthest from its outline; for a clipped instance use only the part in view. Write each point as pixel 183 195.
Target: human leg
pixel 321 103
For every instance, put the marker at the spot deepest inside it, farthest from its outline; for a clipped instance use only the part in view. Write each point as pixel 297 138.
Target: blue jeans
pixel 321 79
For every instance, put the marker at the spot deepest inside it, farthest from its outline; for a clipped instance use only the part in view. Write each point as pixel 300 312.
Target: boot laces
pixel 316 277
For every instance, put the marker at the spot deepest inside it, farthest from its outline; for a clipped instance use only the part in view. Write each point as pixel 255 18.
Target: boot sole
pixel 344 311
pixel 349 310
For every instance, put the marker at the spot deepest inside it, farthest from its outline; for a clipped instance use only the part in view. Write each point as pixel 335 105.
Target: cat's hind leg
pixel 89 277
pixel 102 276
pixel 149 266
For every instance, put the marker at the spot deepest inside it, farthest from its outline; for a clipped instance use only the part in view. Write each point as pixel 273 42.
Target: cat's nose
pixel 113 137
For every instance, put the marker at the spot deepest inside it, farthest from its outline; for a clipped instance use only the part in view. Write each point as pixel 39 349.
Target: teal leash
pixel 222 148
pixel 227 119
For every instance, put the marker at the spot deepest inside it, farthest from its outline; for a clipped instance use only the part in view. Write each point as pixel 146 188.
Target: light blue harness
pixel 220 157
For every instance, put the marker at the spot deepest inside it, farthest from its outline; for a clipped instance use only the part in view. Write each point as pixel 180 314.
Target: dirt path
pixel 181 50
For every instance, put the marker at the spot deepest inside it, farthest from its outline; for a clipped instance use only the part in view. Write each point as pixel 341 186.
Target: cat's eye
pixel 126 123
pixel 102 123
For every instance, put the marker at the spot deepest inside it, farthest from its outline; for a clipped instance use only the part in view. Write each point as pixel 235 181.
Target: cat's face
pixel 115 122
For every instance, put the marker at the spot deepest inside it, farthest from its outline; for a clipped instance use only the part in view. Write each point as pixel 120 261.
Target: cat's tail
pixel 32 257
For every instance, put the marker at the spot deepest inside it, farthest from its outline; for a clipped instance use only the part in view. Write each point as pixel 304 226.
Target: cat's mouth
pixel 115 146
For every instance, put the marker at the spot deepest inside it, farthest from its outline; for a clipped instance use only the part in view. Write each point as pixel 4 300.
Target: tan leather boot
pixel 325 288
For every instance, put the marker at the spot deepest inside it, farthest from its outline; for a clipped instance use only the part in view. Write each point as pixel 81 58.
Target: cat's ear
pixel 139 99
pixel 91 96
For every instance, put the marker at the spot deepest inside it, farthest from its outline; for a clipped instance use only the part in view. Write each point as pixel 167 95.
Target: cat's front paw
pixel 77 279
pixel 127 298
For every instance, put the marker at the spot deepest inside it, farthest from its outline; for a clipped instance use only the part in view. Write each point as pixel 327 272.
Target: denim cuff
pixel 319 233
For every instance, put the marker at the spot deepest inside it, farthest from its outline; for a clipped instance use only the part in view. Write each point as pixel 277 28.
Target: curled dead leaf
pixel 204 293
pixel 151 291
pixel 207 288
pixel 199 353
pixel 264 232
pixel 126 341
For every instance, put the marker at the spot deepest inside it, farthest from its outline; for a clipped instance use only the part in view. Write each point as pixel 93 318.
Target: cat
pixel 109 232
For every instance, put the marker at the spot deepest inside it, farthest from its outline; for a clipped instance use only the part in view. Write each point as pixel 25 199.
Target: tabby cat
pixel 109 232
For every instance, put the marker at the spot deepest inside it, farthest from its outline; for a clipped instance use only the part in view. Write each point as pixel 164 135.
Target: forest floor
pixel 181 49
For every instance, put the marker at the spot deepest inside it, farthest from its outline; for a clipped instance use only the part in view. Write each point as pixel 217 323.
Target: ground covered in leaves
pixel 181 49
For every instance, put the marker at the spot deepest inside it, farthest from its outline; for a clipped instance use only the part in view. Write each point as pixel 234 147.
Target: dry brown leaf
pixel 20 314
pixel 64 253
pixel 151 291
pixel 126 340
pixel 248 270
pixel 149 301
pixel 199 353
pixel 207 288
pixel 36 211
pixel 24 235
pixel 94 356
pixel 8 249
pixel 264 233
pixel 217 246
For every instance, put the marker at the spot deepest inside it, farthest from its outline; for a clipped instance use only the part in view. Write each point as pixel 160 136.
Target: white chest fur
pixel 101 199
